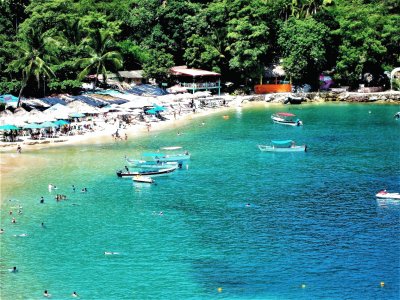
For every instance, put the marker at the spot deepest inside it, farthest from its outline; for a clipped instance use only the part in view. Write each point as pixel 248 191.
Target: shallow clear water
pixel 314 229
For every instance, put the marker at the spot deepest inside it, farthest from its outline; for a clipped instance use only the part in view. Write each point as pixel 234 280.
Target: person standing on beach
pixel 19 150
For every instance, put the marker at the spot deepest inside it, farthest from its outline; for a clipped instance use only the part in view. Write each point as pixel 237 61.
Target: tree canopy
pixel 237 38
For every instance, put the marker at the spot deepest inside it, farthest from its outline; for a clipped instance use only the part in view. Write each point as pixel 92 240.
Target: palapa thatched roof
pixel 274 70
pixel 81 107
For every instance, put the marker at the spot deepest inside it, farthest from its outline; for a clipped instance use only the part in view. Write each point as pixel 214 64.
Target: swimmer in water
pixel 42 200
pixel 14 270
pixel 248 205
pixel 13 221
pixel 1 230
pixel 46 294
pixel 73 188
pixel 75 295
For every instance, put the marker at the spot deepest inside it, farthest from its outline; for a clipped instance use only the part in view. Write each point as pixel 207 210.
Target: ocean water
pixel 313 230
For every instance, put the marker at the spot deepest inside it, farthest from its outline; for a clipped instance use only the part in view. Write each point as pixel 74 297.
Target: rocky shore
pixel 378 97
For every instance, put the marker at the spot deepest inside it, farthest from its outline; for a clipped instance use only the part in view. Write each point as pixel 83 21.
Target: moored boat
pixel 149 172
pixel 141 178
pixel 282 146
pixel 286 118
pixel 385 195
pixel 174 155
pixel 152 164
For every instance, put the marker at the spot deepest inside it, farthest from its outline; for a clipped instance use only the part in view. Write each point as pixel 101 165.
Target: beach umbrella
pixel 76 115
pixel 158 108
pixel 58 111
pixel 83 108
pixel 8 127
pixel 61 122
pixel 151 111
pixel 48 124
pixel 32 126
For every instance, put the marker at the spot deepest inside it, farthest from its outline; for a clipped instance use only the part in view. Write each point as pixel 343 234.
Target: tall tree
pixel 303 44
pixel 100 59
pixel 362 48
pixel 34 54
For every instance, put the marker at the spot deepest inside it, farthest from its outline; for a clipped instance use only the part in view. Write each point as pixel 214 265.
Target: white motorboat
pixel 141 178
pixel 385 195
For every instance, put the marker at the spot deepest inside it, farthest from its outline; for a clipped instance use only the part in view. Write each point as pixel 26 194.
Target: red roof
pixel 184 71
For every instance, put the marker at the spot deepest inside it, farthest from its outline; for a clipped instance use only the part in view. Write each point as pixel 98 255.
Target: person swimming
pixel 41 200
pixel 75 295
pixel 46 294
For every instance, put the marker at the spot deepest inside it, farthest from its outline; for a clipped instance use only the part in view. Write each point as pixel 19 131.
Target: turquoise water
pixel 313 230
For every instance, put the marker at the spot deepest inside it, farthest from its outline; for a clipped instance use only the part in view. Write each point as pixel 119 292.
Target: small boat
pixel 141 178
pixel 152 164
pixel 286 118
pixel 385 195
pixel 282 146
pixel 173 156
pixel 149 172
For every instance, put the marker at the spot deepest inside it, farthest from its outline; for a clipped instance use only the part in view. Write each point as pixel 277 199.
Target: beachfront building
pixel 196 80
pixel 276 81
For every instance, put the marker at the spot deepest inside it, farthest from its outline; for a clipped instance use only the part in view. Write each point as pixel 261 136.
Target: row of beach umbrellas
pixel 47 124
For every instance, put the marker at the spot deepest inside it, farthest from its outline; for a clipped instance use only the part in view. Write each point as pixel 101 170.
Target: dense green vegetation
pixel 48 46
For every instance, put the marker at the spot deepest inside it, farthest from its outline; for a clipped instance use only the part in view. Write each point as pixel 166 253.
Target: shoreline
pixel 137 130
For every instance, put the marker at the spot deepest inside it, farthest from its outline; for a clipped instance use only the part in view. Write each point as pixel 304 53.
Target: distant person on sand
pixel 126 137
pixel 19 149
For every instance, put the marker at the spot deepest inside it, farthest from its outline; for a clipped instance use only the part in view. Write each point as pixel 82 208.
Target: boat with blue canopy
pixel 286 118
pixel 152 164
pixel 175 155
pixel 282 146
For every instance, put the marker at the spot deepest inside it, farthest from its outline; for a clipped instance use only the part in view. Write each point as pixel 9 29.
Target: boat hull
pixel 386 195
pixel 289 123
pixel 142 179
pixel 267 148
pixel 123 174
pixel 150 164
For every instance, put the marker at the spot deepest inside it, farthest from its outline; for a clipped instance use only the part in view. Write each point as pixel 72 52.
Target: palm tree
pixel 32 61
pixel 100 58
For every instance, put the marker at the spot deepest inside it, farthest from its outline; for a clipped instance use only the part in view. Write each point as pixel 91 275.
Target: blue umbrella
pixel 158 108
pixel 76 115
pixel 48 124
pixel 61 122
pixel 32 126
pixel 151 111
pixel 8 127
